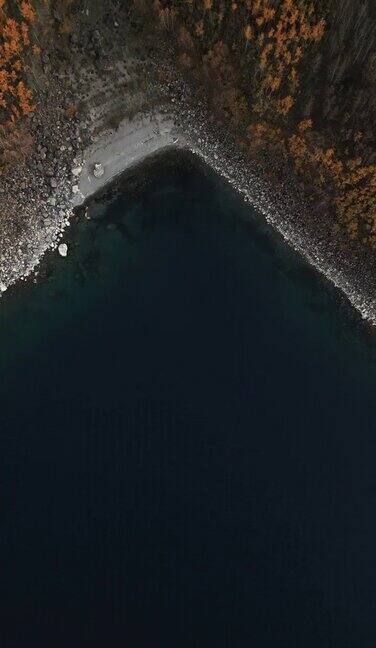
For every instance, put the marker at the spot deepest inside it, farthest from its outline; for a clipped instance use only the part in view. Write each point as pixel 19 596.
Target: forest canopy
pixel 285 74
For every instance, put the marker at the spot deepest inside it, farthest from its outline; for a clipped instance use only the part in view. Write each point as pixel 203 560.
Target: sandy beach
pixel 129 145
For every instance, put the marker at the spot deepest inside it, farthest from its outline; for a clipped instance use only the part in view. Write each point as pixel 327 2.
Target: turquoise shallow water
pixel 187 440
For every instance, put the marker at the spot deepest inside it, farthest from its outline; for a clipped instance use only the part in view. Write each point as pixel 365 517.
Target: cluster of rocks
pixel 36 198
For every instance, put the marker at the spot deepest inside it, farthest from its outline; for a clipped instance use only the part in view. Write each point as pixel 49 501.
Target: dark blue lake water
pixel 188 438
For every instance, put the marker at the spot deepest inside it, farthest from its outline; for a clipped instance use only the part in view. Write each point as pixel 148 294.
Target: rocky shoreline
pixel 75 159
pixel 285 209
pixel 114 152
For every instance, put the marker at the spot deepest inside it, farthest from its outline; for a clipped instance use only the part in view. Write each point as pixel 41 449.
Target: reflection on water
pixel 187 444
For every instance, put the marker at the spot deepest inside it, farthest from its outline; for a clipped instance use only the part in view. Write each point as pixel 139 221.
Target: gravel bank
pixel 115 152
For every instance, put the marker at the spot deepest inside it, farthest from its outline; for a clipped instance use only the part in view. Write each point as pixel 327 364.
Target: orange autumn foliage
pixel 284 33
pixel 15 96
pixel 27 11
pixel 353 180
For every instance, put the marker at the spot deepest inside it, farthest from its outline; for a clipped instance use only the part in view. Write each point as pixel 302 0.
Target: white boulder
pixel 98 170
pixel 63 249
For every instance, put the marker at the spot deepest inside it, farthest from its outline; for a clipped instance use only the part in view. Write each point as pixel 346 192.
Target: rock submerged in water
pixel 63 249
pixel 98 170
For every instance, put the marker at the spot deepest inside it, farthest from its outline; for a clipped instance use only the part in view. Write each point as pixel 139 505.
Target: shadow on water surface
pixel 187 442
